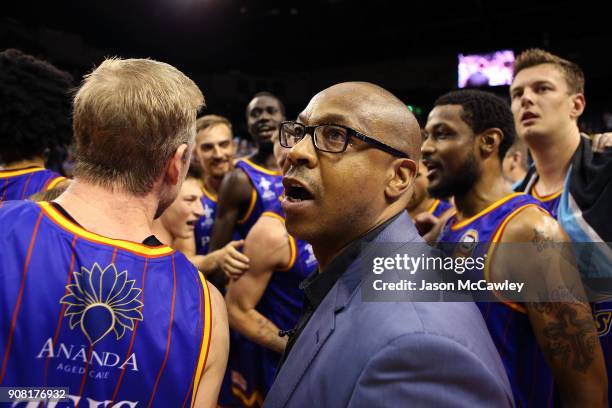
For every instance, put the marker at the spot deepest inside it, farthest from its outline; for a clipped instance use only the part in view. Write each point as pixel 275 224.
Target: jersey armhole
pixel 206 336
pixel 497 236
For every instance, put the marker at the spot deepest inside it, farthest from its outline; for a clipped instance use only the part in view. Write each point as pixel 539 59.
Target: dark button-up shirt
pixel 318 285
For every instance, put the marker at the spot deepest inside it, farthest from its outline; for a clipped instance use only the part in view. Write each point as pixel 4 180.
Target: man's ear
pixel 578 105
pixel 177 165
pixel 489 141
pixel 404 172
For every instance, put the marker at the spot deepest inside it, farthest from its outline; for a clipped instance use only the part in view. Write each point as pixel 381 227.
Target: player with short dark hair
pixel 34 120
pixel 255 183
pixel 468 134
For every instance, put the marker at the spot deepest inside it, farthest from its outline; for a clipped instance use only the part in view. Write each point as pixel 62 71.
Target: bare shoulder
pixel 217 302
pixel 267 232
pixel 236 178
pixel 235 188
pixel 533 224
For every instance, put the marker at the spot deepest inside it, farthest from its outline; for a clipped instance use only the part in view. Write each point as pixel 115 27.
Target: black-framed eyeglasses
pixel 329 137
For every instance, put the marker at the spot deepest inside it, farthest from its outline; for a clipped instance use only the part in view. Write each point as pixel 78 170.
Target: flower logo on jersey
pixel 602 321
pixel 101 301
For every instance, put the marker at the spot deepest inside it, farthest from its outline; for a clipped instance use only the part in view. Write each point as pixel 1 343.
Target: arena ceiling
pixel 297 36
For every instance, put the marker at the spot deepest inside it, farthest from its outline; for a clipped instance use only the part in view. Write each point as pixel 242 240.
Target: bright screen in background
pixel 486 69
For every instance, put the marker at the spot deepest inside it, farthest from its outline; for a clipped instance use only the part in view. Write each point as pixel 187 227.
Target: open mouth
pixel 296 191
pixel 432 169
pixel 528 116
pixel 192 223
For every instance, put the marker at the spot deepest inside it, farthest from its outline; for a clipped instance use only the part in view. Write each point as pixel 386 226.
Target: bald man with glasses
pixel 348 177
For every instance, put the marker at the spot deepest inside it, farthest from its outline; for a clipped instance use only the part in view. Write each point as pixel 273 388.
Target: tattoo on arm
pixel 541 240
pixel 570 338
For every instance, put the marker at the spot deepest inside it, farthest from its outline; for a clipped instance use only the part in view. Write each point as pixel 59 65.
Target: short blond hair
pixel 208 121
pixel 574 77
pixel 129 117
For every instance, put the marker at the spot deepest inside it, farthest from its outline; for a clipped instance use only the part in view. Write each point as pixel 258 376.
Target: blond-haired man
pixel 91 300
pixel 214 153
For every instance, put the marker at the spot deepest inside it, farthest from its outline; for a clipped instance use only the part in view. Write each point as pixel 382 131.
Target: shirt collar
pixel 317 285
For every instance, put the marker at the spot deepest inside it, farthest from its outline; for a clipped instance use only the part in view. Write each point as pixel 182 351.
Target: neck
pixel 552 159
pixel 264 157
pixel 35 162
pixel 422 207
pixel 161 232
pixel 212 184
pixel 490 188
pixel 110 212
pixel 327 248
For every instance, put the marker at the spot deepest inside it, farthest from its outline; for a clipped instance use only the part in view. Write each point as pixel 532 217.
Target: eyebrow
pixel 437 126
pixel 534 83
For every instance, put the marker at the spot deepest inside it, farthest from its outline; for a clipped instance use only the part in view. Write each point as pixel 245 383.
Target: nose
pixel 265 115
pixel 217 151
pixel 302 154
pixel 427 148
pixel 198 208
pixel 527 98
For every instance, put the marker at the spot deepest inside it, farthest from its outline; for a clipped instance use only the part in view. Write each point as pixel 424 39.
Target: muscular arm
pixel 233 200
pixel 267 246
pixel 210 382
pixel 564 328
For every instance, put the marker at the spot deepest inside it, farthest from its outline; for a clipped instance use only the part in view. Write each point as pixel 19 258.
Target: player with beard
pixel 468 134
pixel 255 184
pixel 35 119
pixel 421 202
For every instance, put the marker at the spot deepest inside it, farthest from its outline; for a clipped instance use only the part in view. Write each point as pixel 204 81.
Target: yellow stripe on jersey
pixel 293 249
pixel 433 207
pixel 273 215
pixel 134 247
pixel 292 246
pixel 208 194
pixel 487 210
pixel 490 253
pixel 545 198
pixel 247 401
pixel 13 173
pixel 55 182
pixel 262 169
pixel 207 333
pixel 251 207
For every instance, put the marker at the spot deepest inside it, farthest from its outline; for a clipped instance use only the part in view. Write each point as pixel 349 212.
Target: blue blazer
pixel 391 354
